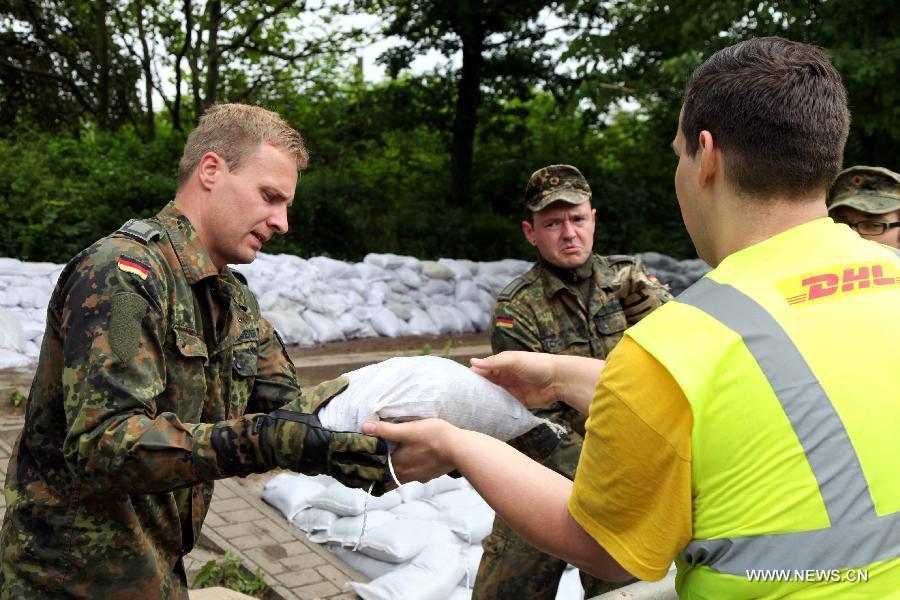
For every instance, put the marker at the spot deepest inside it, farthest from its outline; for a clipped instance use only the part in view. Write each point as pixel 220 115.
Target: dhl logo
pixel 838 282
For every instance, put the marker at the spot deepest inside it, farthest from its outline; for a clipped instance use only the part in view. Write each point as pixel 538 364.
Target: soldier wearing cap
pixel 571 302
pixel 868 200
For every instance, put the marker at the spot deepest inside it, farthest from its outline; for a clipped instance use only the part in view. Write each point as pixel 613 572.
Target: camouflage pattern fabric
pixel 539 312
pixel 150 360
pixel 556 183
pixel 873 190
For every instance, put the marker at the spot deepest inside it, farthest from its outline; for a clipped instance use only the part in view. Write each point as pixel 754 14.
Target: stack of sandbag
pixel 25 290
pixel 418 542
pixel 324 300
pixel 679 275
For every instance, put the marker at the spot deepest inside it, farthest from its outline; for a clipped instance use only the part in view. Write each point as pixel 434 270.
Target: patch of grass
pixel 229 573
pixel 16 397
pixel 447 347
pixel 426 349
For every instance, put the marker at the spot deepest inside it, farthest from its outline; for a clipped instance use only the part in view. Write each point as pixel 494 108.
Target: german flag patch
pixel 135 267
pixel 504 322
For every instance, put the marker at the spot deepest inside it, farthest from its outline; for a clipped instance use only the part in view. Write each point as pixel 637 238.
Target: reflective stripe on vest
pixel 857 536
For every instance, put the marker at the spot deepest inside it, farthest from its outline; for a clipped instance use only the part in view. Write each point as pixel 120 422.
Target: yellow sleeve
pixel 632 489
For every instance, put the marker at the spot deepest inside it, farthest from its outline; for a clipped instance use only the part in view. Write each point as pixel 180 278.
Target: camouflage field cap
pixel 556 182
pixel 874 190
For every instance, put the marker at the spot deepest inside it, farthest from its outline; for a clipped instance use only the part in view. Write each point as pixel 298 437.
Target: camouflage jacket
pixel 539 312
pixel 147 347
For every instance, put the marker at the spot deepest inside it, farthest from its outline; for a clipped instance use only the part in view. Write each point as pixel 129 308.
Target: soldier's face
pixel 249 206
pixel 563 233
pixel 849 215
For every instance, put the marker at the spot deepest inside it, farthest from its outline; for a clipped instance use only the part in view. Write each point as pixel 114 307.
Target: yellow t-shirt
pixel 632 489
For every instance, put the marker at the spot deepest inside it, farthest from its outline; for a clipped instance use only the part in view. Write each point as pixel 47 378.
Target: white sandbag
pixel 11 359
pixel 314 520
pixel 466 290
pixel 476 315
pixel 414 387
pixel 331 305
pixel 348 502
pixel 354 328
pixel 411 491
pixel 420 323
pixel 442 484
pixel 369 273
pixel 408 277
pixel 292 328
pixel 13 266
pixel 12 335
pixel 349 531
pixel 463 323
pixel 330 268
pixel 462 269
pixel 398 288
pixel 435 287
pixel 570 587
pixel 461 592
pixel 435 270
pixel 354 284
pixel 377 292
pixel 386 323
pixel 289 492
pixel 32 349
pixel 34 297
pixel 327 328
pixel 441 299
pixel 432 575
pixel 418 509
pixel 384 261
pixel 400 311
pixel 472 524
pixel 399 540
pixel 368 566
pixel 473 558
pixel 9 297
pixel 444 321
pixel 267 299
pixel 458 500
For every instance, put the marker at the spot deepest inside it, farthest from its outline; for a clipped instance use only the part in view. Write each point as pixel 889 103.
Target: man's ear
pixel 710 158
pixel 528 230
pixel 209 169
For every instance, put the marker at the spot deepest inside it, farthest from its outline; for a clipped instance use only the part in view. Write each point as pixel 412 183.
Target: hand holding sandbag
pixel 297 441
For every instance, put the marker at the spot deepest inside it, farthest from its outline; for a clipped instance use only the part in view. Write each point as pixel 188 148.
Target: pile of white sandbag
pixel 321 299
pixel 325 300
pixel 418 542
pixel 25 290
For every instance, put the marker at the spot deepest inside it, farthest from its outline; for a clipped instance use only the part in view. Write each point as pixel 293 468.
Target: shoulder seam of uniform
pixel 142 230
pixel 512 288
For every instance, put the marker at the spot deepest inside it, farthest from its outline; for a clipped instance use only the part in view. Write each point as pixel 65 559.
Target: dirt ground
pixel 314 363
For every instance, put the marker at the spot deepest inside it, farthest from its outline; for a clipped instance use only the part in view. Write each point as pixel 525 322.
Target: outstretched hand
pixel 529 376
pixel 424 450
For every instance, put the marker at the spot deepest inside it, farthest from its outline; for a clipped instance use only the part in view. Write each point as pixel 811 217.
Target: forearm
pixel 575 379
pixel 531 498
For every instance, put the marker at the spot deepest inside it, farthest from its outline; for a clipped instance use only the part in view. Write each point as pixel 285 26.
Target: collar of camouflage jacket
pixel 558 278
pixel 192 254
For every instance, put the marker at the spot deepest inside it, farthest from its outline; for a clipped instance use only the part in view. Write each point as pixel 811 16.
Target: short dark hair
pixel 777 109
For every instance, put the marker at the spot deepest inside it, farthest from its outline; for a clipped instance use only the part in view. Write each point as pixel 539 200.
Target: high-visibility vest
pixel 789 355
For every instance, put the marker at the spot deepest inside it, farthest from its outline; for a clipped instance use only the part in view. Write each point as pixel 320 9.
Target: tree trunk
pixel 146 61
pixel 464 123
pixel 212 53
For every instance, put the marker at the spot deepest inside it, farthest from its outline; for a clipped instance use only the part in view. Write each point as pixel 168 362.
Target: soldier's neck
pixel 571 275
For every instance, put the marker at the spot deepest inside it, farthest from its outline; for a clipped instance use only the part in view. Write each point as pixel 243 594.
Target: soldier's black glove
pixel 297 441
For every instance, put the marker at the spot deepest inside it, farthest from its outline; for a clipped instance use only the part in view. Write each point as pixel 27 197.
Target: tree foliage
pixel 97 97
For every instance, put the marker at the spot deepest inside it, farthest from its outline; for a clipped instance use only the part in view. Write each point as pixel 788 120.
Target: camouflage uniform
pixel 150 360
pixel 873 190
pixel 544 310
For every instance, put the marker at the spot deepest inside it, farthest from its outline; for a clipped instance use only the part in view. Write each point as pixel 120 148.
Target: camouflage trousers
pixel 513 568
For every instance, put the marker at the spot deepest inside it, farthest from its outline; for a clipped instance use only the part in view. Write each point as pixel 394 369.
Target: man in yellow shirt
pixel 731 430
